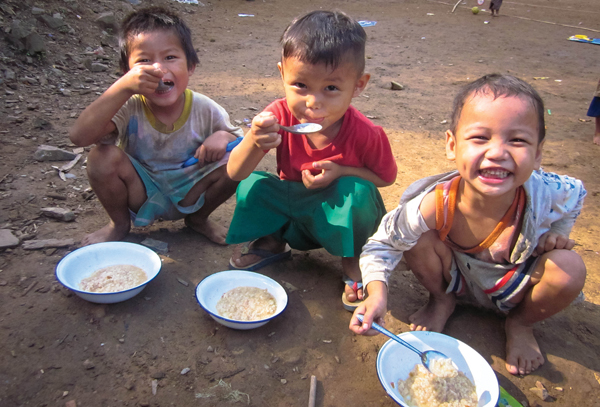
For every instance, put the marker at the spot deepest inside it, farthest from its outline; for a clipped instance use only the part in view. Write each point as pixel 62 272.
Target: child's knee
pixel 430 254
pixel 565 269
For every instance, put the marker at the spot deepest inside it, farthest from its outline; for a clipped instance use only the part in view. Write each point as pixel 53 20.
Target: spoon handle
pixel 384 331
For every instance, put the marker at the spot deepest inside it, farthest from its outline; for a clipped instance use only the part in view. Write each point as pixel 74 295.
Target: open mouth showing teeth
pixel 164 87
pixel 494 173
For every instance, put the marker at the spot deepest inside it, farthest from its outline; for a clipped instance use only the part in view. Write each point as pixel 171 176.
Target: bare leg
pixel 352 270
pixel 430 261
pixel 556 281
pixel 267 243
pixel 597 133
pixel 218 187
pixel 118 187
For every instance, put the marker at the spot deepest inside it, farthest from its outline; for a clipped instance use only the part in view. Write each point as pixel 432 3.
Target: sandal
pixel 266 256
pixel 355 285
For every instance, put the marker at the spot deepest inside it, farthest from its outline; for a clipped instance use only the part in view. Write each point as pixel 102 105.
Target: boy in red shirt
pixel 325 193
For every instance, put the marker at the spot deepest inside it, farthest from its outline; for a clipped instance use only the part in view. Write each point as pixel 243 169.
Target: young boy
pixel 145 132
pixel 325 193
pixel 495 7
pixel 594 111
pixel 497 228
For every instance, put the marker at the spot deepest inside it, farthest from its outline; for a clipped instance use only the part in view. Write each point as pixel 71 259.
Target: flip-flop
pixel 267 257
pixel 355 285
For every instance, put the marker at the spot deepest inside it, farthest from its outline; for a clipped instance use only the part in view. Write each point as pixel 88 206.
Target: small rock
pixel 154 387
pixel 108 21
pixel 559 389
pixel 37 11
pixel 71 403
pixel 540 391
pixel 35 44
pixel 98 67
pixel 396 86
pixel 185 370
pixel 46 243
pixel 210 349
pixel 158 375
pixel 62 214
pixel 283 381
pixel 182 281
pixel 51 153
pixel 7 239
pixel 129 386
pixel 156 245
pixel 88 364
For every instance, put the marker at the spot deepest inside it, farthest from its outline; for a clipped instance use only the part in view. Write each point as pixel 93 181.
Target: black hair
pixel 155 19
pixel 500 86
pixel 329 37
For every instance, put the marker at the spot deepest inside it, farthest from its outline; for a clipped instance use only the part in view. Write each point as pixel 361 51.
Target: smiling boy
pixel 325 193
pixel 497 229
pixel 145 132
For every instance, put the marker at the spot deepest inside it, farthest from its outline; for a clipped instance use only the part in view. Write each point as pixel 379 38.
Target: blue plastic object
pixel 230 146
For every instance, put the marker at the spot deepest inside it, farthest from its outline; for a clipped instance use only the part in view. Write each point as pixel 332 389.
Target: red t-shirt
pixel 359 143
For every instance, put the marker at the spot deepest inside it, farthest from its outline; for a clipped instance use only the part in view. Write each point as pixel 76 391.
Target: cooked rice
pixel 246 304
pixel 113 279
pixel 447 388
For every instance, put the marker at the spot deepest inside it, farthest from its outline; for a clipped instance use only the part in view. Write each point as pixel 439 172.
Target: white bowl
pixel 82 262
pixel 395 362
pixel 210 290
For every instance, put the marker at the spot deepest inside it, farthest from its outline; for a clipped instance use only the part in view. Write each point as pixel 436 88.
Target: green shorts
pixel 339 218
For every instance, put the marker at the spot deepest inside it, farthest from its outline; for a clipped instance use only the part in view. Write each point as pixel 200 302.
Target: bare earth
pixel 56 347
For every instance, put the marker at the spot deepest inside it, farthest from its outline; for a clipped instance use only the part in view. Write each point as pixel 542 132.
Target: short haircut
pixel 329 37
pixel 155 19
pixel 500 86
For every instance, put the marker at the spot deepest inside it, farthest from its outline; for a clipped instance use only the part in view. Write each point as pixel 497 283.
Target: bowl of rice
pixel 469 382
pixel 241 299
pixel 108 272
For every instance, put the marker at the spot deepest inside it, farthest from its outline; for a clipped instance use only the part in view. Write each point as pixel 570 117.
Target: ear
pixel 361 84
pixel 191 70
pixel 280 67
pixel 450 145
pixel 538 155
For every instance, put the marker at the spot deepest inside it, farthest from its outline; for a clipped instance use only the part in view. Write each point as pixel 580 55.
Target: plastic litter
pixel 245 15
pixel 366 23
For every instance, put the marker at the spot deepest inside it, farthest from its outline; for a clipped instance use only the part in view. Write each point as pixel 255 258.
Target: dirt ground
pixel 56 347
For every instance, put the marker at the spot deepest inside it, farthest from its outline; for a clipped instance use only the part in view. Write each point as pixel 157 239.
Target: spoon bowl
pixel 302 128
pixel 162 87
pixel 427 357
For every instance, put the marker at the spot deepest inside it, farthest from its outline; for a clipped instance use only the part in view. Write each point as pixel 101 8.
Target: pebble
pixel 62 214
pixel 88 364
pixel 283 381
pixel 7 239
pixel 210 349
pixel 185 370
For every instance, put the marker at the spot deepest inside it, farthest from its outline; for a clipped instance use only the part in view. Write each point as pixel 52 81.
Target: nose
pixel 312 101
pixel 496 150
pixel 159 66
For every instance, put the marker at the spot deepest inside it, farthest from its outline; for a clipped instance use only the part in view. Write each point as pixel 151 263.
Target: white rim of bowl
pixel 111 293
pixel 393 396
pixel 235 321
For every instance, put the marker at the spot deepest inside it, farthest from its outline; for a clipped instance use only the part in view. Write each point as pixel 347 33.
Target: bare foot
pixel 266 243
pixel 597 139
pixel 523 353
pixel 433 315
pixel 109 233
pixel 211 230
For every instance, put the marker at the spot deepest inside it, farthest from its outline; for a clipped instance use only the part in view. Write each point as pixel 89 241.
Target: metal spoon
pixel 302 128
pixel 162 87
pixel 426 357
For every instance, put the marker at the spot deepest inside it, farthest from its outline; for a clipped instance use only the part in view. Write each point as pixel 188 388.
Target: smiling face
pixel 318 94
pixel 162 49
pixel 496 144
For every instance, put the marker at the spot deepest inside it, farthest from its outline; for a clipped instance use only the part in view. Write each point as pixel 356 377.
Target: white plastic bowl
pixel 82 262
pixel 395 362
pixel 210 290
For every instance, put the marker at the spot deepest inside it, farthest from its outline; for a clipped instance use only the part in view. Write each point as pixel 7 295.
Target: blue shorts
pixel 594 110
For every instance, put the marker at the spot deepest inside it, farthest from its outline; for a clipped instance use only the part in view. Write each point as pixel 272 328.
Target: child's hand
pixel 553 241
pixel 142 79
pixel 330 171
pixel 213 148
pixel 263 132
pixel 373 309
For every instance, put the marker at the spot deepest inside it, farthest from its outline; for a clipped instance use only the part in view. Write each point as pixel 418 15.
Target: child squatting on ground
pixel 145 134
pixel 325 191
pixel 496 229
